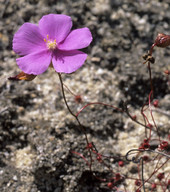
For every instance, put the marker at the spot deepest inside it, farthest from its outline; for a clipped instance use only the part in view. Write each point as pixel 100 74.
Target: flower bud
pixel 162 40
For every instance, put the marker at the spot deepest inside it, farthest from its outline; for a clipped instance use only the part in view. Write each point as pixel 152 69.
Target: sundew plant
pixel 53 44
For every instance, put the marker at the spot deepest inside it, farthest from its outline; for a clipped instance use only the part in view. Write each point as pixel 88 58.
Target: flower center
pixel 51 44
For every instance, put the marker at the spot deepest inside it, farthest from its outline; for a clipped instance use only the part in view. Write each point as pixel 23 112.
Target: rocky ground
pixel 36 131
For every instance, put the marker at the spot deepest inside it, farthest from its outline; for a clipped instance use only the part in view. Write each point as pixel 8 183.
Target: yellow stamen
pixel 51 44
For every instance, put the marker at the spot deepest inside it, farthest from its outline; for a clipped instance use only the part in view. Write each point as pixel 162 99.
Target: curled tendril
pixel 134 159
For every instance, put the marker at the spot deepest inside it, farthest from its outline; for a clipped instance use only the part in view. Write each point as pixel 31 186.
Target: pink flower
pixel 51 43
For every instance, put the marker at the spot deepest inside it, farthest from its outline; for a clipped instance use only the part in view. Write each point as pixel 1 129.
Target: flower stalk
pixel 75 116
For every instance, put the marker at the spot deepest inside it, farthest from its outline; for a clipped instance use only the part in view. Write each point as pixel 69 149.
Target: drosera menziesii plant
pixel 56 46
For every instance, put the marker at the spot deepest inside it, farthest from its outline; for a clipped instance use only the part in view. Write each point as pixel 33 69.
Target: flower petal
pixel 35 63
pixel 55 26
pixel 68 61
pixel 77 39
pixel 28 39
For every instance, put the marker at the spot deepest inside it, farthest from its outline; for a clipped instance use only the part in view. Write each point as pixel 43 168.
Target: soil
pixel 37 133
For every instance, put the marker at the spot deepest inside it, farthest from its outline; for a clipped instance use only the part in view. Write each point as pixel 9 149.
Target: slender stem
pixel 136 121
pixel 150 78
pixel 143 183
pixel 64 97
pixel 71 112
pixel 98 103
pixel 69 90
pixel 151 49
